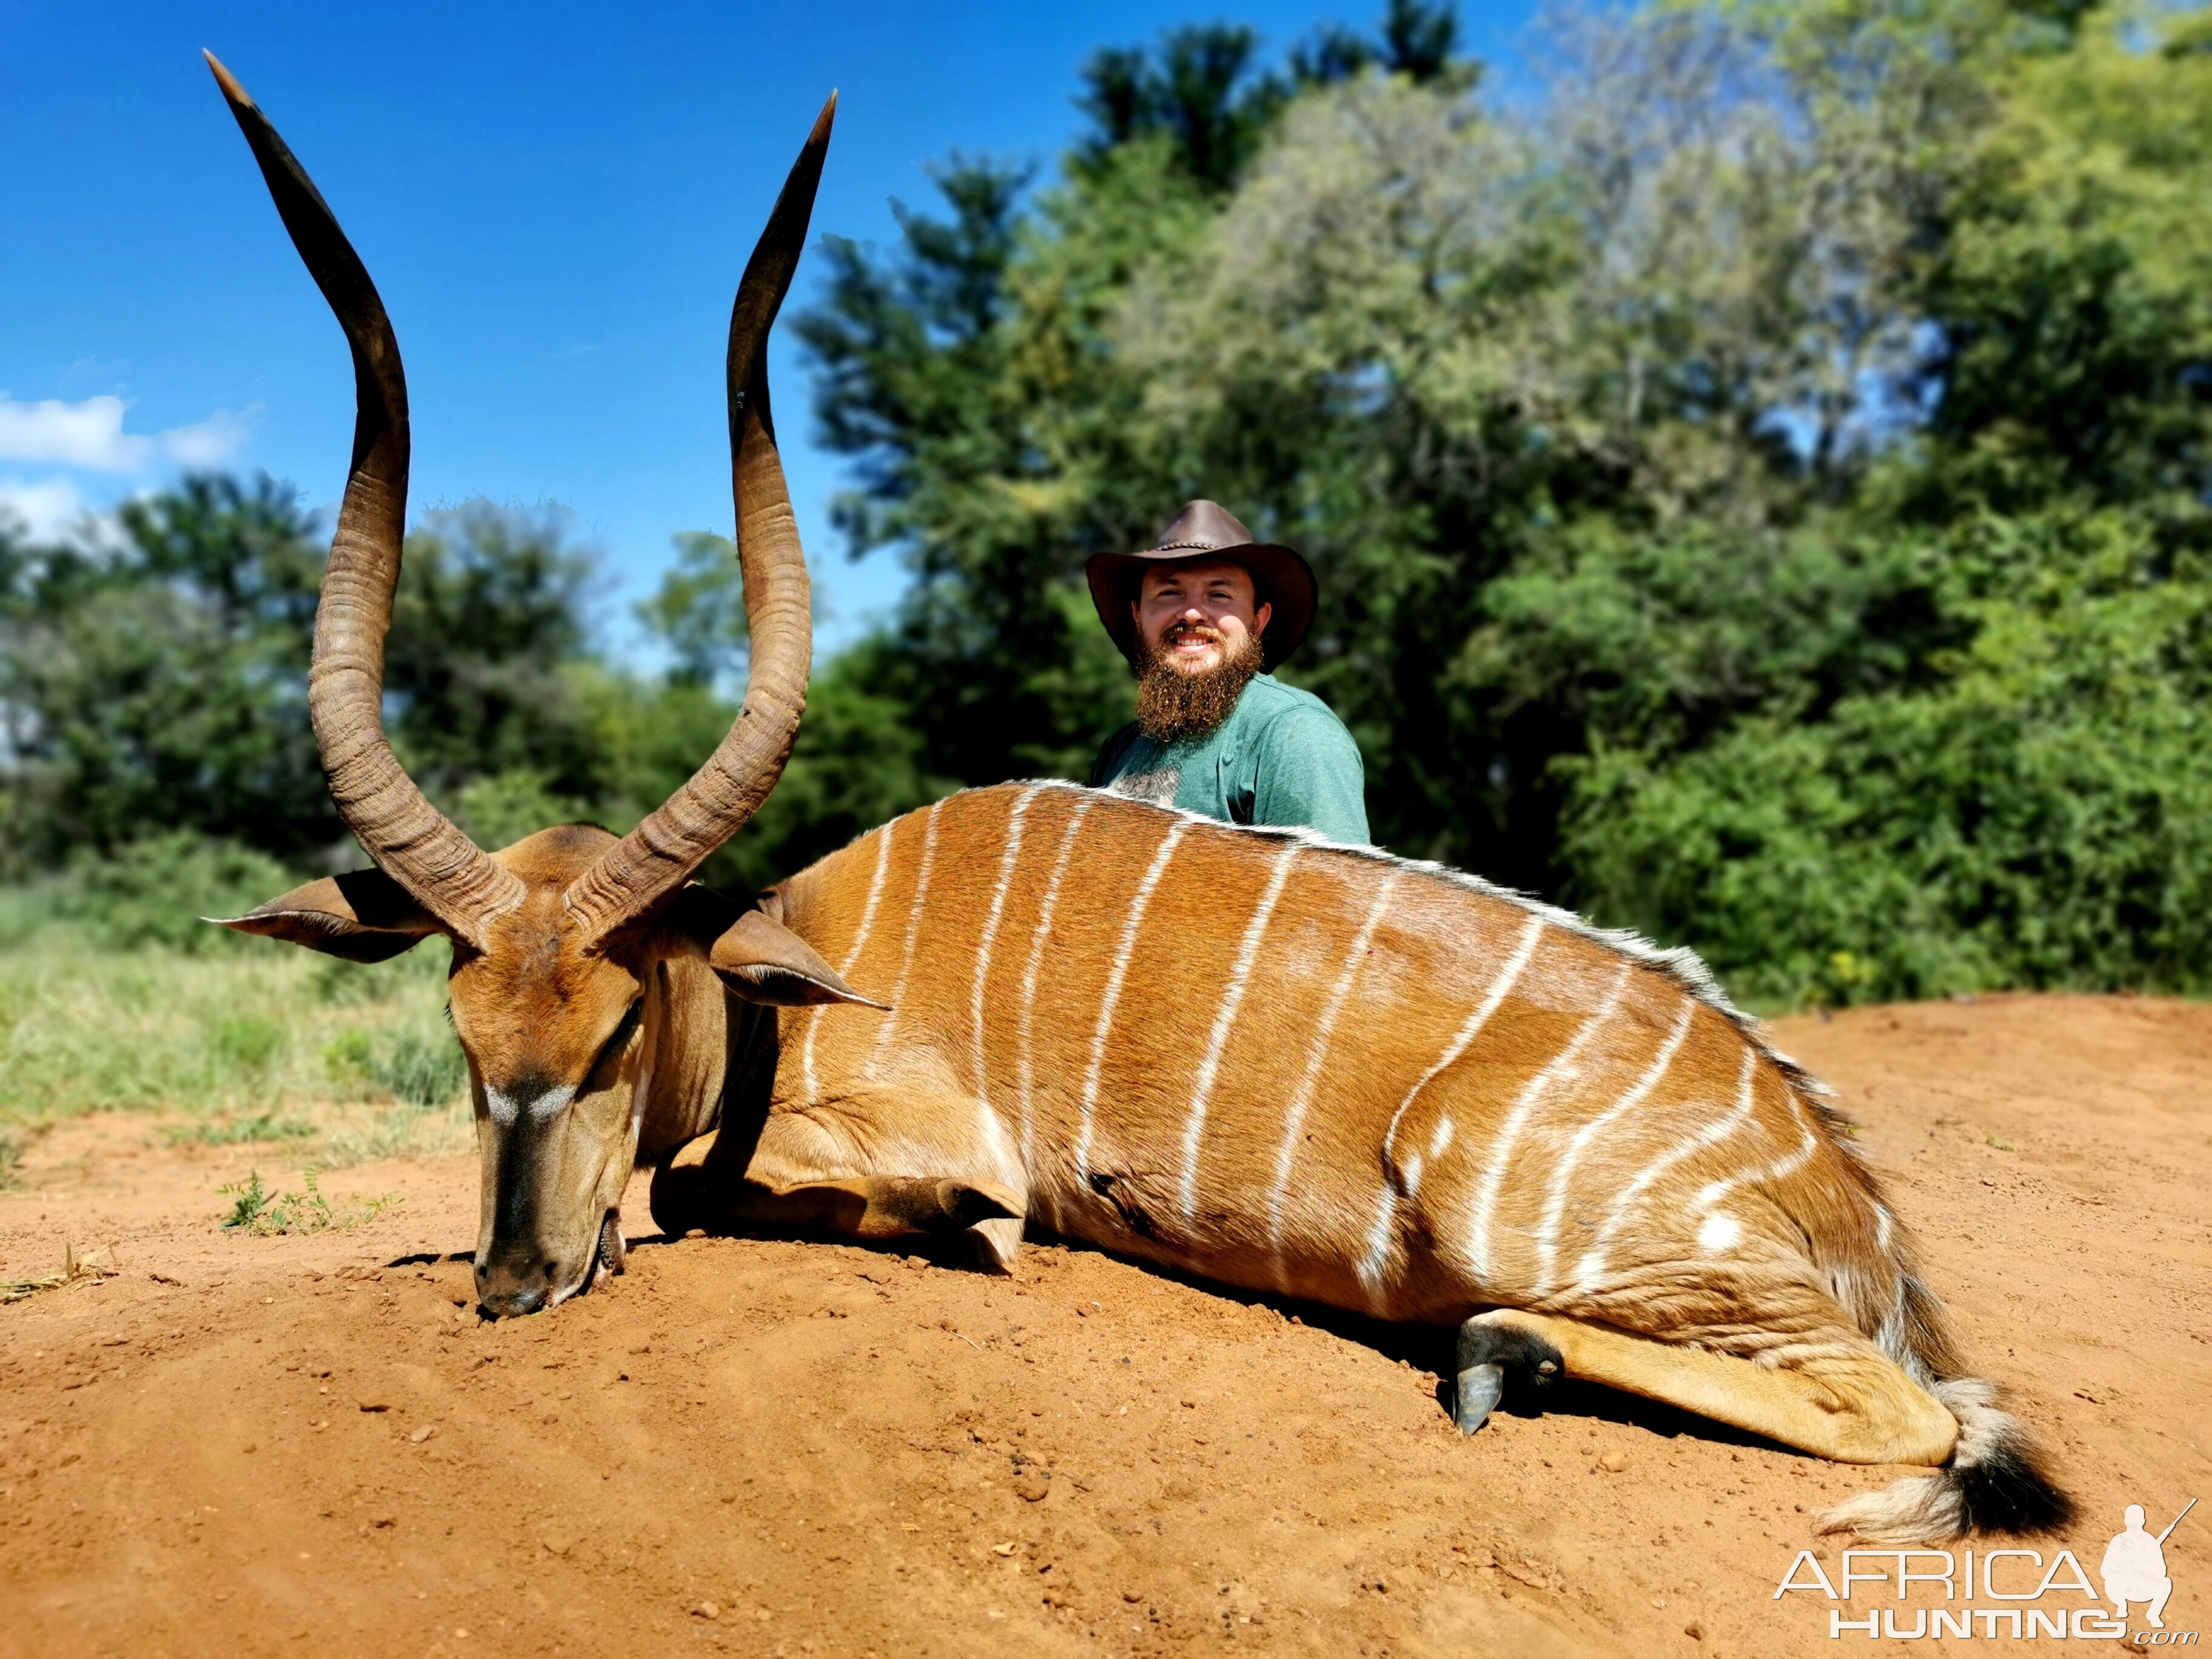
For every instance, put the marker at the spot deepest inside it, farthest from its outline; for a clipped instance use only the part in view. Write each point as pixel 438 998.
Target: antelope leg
pixel 876 1207
pixel 1847 1401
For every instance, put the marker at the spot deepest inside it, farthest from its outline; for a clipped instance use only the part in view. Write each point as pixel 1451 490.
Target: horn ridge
pixel 421 848
pixel 677 837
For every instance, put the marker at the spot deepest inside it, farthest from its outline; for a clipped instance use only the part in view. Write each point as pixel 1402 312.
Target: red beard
pixel 1174 705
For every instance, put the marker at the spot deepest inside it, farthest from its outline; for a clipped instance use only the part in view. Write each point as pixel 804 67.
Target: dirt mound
pixel 241 1444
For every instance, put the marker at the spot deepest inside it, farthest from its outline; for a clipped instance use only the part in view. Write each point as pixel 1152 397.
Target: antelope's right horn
pixel 415 844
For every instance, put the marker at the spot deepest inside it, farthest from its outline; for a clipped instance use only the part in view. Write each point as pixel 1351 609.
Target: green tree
pixel 160 683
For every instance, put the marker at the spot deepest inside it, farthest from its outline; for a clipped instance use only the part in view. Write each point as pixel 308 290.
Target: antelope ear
pixel 363 915
pixel 764 961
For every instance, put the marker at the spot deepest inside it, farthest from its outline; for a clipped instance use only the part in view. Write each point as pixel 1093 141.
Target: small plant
pixel 255 1209
pixel 95 1264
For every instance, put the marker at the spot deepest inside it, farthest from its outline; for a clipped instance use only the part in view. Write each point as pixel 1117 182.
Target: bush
pixel 2041 817
pixel 417 1069
pixel 155 892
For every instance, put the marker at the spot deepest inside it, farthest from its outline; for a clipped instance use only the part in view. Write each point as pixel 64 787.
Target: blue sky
pixel 556 201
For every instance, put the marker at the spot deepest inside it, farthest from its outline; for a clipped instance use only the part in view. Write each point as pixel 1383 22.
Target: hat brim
pixel 1286 580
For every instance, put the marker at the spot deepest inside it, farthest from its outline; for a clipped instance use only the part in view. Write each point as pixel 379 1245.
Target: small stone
pixel 1032 1484
pixel 1695 1633
pixel 1002 1549
pixel 706 1610
pixel 423 1433
pixel 375 1402
pixel 1613 1462
pixel 555 1544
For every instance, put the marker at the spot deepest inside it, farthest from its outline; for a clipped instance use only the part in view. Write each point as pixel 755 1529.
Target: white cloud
pixel 46 509
pixel 90 434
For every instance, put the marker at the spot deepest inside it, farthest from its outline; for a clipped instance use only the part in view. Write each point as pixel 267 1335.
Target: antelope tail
pixel 1995 1480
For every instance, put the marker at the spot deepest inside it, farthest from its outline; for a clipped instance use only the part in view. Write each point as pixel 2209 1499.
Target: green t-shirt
pixel 1281 757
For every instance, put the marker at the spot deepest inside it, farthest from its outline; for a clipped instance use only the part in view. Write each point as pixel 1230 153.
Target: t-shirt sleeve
pixel 1108 766
pixel 1309 773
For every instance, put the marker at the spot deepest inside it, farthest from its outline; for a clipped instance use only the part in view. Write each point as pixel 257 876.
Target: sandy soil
pixel 259 1445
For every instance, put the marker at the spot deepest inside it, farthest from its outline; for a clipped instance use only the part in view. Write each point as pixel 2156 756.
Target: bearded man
pixel 1202 617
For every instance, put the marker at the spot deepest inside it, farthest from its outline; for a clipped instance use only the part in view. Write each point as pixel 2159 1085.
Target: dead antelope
pixel 1289 1066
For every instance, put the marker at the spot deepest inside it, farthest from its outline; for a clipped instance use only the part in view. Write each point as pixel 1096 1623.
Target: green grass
pixel 234 1041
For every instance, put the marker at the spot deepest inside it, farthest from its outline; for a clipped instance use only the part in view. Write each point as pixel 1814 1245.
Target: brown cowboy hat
pixel 1207 530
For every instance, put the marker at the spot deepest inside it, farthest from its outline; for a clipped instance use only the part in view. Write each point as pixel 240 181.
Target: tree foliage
pixel 1761 486
pixel 1758 486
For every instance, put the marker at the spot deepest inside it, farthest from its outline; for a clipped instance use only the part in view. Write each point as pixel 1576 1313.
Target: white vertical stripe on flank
pixel 912 934
pixel 853 956
pixel 1113 994
pixel 1593 1261
pixel 1223 1017
pixel 1023 1075
pixel 1379 1238
pixel 988 1120
pixel 1316 1051
pixel 1548 1232
pixel 1561 1068
pixel 1781 1169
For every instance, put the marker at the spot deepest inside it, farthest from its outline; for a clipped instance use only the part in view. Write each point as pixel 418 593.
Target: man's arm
pixel 1309 773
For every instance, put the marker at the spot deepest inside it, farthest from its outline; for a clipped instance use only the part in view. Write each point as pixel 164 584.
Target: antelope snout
pixel 514 1282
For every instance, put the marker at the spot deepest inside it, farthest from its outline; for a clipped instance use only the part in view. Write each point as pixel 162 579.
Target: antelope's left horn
pixel 661 854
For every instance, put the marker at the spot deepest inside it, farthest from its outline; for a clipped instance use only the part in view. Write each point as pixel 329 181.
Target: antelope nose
pixel 509 1287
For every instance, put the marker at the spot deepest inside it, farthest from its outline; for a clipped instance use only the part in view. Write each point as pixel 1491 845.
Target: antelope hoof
pixel 998 1242
pixel 1479 1389
pixel 1490 1350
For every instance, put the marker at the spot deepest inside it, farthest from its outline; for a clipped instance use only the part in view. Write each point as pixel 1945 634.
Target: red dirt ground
pixel 261 1445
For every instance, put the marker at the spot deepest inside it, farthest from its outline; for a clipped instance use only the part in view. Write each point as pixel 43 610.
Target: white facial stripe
pixel 1024 1076
pixel 1316 1051
pixel 1593 1262
pixel 1560 1069
pixel 1555 1205
pixel 852 956
pixel 1113 994
pixel 988 1120
pixel 1224 1018
pixel 545 1108
pixel 1379 1237
pixel 913 936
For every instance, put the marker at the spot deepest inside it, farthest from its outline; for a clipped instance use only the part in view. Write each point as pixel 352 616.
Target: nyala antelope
pixel 1288 1066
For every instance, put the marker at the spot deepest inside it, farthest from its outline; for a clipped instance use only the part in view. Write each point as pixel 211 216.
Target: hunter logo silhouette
pixel 2134 1567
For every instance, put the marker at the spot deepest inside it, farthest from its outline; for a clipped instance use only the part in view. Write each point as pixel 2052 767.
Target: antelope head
pixel 563 942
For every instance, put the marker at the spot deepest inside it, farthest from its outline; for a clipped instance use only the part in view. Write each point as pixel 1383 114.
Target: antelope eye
pixel 610 1050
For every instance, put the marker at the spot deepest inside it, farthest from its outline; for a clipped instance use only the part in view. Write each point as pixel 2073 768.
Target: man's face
pixel 1195 614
